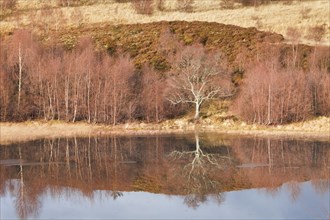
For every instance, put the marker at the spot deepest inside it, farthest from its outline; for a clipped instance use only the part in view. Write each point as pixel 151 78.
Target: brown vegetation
pixel 74 79
pixel 284 89
pixel 274 95
pixel 81 84
pixel 8 4
pixel 148 43
pixel 143 6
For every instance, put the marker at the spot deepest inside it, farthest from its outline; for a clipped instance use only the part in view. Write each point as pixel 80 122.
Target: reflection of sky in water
pixel 244 204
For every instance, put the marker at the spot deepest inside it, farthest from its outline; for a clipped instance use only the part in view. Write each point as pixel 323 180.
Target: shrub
pixel 227 4
pixel 253 2
pixel 305 13
pixel 70 3
pixel 160 4
pixel 143 6
pixel 316 33
pixel 9 4
pixel 185 5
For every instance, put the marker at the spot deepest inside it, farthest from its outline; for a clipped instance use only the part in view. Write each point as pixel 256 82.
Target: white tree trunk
pixel 20 67
pixel 269 105
pixel 197 107
pixel 67 98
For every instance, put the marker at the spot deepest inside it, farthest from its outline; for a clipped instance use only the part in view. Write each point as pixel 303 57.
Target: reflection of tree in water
pixel 48 165
pixel 194 200
pixel 321 186
pixel 116 194
pixel 27 204
pixel 294 189
pixel 200 174
pixel 116 164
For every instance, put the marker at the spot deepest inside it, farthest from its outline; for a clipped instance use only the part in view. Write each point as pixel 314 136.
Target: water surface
pixel 203 176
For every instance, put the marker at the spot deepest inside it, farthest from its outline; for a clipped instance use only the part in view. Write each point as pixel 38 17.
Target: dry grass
pixel 274 17
pixel 16 132
pixel 12 132
pixel 318 128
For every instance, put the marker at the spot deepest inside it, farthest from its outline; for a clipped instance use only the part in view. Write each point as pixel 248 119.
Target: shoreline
pixel 317 129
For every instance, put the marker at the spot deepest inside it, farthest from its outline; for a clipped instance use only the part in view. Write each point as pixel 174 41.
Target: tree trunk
pixel 114 111
pixel 156 104
pixel 197 107
pixel 20 66
pixel 269 106
pixel 197 143
pixel 67 98
pixel 88 97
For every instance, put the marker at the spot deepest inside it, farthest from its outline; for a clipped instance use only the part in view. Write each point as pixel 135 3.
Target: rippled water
pixel 205 176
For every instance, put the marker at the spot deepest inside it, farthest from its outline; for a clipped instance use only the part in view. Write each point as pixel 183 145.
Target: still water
pixel 192 176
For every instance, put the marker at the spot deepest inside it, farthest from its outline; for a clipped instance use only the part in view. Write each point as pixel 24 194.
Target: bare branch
pixel 198 79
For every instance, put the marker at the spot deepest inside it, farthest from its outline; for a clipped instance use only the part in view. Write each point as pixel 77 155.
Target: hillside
pixel 277 17
pixel 143 41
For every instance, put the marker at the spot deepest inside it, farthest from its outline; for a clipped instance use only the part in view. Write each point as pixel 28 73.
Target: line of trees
pixel 274 94
pixel 83 84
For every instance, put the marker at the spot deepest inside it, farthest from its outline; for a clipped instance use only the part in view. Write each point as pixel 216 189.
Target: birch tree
pixel 23 51
pixel 199 76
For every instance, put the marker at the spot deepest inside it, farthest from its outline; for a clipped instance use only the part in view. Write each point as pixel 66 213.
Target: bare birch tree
pixel 22 52
pixel 199 77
